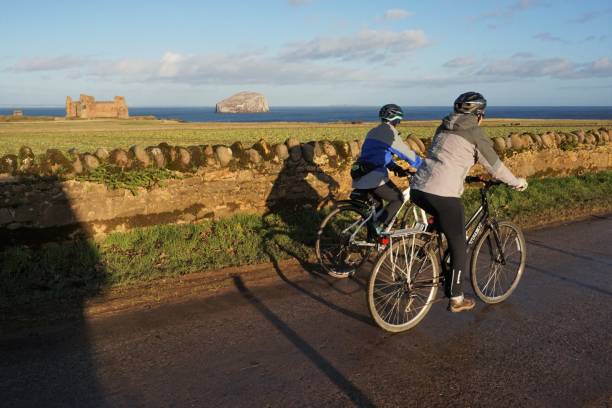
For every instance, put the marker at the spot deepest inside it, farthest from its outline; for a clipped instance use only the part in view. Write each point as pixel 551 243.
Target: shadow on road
pixel 291 223
pixel 46 276
pixel 335 376
pixel 569 253
pixel 570 280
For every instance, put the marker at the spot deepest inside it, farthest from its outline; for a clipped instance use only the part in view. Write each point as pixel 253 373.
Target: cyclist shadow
pixel 291 222
pixel 293 215
pixel 47 276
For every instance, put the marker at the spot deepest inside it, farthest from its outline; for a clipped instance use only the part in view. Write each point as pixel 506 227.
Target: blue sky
pixel 307 52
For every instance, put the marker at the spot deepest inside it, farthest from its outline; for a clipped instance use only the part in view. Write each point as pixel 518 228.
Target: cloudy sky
pixel 307 52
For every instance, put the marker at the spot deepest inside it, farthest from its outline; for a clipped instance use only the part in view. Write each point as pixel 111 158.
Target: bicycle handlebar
pixel 481 179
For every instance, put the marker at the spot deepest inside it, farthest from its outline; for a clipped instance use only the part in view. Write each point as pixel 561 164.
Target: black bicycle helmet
pixel 390 112
pixel 470 102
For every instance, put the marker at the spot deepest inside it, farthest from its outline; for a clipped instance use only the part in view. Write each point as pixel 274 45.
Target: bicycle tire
pixel 335 254
pixel 485 267
pixel 387 286
pixel 407 217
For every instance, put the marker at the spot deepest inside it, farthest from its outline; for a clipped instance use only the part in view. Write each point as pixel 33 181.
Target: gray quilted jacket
pixel 458 144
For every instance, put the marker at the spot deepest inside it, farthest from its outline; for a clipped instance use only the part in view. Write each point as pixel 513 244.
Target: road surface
pixel 302 339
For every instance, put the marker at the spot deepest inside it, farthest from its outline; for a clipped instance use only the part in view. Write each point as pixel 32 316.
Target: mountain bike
pixel 347 235
pixel 405 279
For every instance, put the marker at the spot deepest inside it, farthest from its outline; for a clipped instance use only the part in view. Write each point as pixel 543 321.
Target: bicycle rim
pixel 403 285
pixel 493 281
pixel 337 246
pixel 408 216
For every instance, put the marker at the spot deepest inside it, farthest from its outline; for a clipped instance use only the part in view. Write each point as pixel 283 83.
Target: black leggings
pixel 448 216
pixel 394 196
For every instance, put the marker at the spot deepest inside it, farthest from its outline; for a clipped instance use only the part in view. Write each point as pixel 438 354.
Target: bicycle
pixel 405 279
pixel 347 235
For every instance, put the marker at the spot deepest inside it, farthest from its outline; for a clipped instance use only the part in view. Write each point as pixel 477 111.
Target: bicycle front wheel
pixel 403 284
pixel 498 262
pixel 342 241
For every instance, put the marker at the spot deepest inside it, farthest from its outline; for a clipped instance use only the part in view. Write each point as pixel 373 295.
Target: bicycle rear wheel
pixel 408 216
pixel 341 241
pixel 403 284
pixel 493 278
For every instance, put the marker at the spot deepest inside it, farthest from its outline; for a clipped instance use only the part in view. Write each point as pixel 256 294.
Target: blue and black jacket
pixel 380 145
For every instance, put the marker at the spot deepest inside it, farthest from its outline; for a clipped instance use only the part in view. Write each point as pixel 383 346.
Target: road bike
pixel 406 277
pixel 347 235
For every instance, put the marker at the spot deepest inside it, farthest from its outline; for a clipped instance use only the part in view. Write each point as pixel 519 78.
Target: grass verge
pixel 115 178
pixel 81 269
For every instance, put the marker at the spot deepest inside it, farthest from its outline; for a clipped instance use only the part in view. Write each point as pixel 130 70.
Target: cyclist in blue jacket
pixel 369 172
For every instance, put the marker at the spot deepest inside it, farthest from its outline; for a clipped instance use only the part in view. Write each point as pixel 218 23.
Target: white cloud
pixel 368 44
pixel 247 68
pixel 522 55
pixel 589 16
pixel 560 68
pixel 259 68
pixel 460 62
pixel 508 12
pixel 46 63
pixel 553 67
pixel 599 68
pixel 592 37
pixel 549 38
pixel 396 14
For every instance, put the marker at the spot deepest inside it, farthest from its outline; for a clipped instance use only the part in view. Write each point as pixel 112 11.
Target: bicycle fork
pixel 498 244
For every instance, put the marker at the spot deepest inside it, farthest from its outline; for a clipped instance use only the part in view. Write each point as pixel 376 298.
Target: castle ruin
pixel 87 108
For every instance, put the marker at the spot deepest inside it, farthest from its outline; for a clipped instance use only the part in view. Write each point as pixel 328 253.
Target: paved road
pixel 305 340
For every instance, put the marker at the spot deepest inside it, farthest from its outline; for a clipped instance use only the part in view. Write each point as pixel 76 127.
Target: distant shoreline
pixel 344 114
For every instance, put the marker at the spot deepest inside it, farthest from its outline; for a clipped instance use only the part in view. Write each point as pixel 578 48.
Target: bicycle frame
pixel 481 218
pixel 418 213
pixel 478 222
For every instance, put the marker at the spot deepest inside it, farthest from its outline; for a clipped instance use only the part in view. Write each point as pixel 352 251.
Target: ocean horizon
pixel 338 113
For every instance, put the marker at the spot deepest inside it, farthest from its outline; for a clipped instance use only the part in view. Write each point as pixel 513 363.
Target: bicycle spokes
pixel 498 262
pixel 403 284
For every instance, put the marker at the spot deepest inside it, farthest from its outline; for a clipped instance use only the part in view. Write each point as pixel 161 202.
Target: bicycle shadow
pixel 46 278
pixel 290 224
pixel 325 366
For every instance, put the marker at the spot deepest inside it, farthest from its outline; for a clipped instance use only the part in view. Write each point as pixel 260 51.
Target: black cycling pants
pixel 394 197
pixel 448 216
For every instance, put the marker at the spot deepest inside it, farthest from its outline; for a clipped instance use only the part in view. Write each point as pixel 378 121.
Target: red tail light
pixel 384 240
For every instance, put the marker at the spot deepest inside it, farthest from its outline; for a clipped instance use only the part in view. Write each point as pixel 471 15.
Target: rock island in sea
pixel 243 102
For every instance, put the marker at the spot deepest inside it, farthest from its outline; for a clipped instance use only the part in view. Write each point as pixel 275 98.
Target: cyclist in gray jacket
pixel 437 187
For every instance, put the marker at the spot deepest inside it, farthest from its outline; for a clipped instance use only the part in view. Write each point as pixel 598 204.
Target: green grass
pixel 89 135
pixel 80 269
pixel 115 178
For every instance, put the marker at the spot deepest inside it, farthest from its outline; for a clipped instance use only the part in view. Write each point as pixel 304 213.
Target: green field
pixel 88 135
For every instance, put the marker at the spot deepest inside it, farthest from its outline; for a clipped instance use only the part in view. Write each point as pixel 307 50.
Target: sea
pixel 330 114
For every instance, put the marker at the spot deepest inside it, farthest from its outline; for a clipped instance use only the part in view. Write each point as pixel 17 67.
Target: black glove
pixel 399 172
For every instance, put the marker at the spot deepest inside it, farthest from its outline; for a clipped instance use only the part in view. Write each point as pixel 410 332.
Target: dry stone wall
pixel 218 181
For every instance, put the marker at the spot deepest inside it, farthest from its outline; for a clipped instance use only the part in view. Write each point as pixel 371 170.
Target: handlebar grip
pixel 474 179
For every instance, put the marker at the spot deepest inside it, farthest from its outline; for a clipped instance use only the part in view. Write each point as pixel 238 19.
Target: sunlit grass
pixel 89 135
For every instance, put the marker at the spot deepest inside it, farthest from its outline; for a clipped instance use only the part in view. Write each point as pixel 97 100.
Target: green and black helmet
pixel 470 102
pixel 390 112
